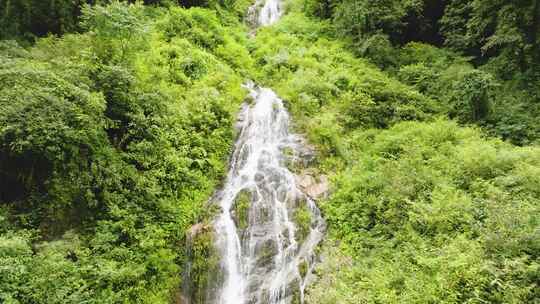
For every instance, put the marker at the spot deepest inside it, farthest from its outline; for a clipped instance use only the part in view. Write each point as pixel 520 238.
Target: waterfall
pixel 265 257
pixel 265 12
pixel 270 13
pixel 268 228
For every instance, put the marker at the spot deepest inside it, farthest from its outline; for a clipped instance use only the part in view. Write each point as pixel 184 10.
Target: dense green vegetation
pixel 25 20
pixel 435 213
pixel 499 38
pixel 111 141
pixel 423 210
pixel 114 134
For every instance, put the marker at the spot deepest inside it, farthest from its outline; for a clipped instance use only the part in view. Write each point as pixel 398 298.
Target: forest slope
pixel 425 211
pixel 114 136
pixel 111 142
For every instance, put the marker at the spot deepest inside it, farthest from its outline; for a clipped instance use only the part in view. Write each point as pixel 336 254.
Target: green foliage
pixel 515 115
pixel 379 50
pixel 467 93
pixel 115 28
pixel 110 143
pixel 400 21
pixel 505 29
pixel 242 204
pixel 204 269
pixel 24 19
pixel 419 202
pixel 361 18
pixel 51 129
pixel 502 36
pixel 504 108
pixel 318 8
pixel 327 88
pixel 426 213
pixel 472 95
pixel 302 219
pixel 203 28
pixel 420 76
pixel 200 26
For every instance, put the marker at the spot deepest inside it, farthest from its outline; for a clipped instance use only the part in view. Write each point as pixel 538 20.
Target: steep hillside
pixel 111 142
pixel 421 212
pixel 115 134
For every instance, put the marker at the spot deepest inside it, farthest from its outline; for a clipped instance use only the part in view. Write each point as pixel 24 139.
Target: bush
pixel 472 96
pixel 431 200
pixel 111 141
pixel 309 79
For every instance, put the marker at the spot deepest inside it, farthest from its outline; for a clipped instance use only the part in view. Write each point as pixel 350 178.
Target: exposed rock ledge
pixel 315 187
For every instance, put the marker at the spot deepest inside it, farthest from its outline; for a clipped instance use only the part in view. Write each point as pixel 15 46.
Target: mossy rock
pixel 288 152
pixel 296 297
pixel 210 211
pixel 296 202
pixel 205 274
pixel 302 219
pixel 293 290
pixel 265 214
pixel 290 161
pixel 267 251
pixel 240 209
pixel 249 100
pixel 303 269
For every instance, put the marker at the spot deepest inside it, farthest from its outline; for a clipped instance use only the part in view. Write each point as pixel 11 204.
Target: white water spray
pixel 265 262
pixel 265 12
pixel 270 13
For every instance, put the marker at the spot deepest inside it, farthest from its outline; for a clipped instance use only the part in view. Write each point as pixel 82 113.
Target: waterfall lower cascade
pixel 268 229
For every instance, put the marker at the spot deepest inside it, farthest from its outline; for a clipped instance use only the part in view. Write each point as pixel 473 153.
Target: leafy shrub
pixel 108 157
pixel 199 26
pixel 117 28
pixel 420 76
pixel 379 50
pixel 472 96
pixel 308 77
pixel 422 213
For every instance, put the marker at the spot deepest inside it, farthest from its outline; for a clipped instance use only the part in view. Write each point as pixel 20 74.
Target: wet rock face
pixel 265 253
pixel 315 187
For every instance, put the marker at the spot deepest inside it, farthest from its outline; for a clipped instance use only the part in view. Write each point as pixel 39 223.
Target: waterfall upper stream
pixel 265 12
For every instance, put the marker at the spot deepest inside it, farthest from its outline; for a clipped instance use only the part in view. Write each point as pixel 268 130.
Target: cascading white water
pixel 270 13
pixel 264 257
pixel 265 12
pixel 263 261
